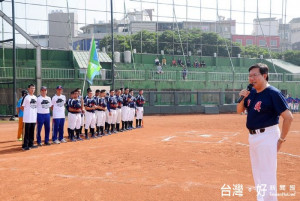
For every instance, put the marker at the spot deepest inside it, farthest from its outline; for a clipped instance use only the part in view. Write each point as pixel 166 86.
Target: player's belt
pixel 75 112
pixel 253 132
pixel 91 111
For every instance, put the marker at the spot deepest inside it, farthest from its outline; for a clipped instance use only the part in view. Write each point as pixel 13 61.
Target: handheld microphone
pixel 249 87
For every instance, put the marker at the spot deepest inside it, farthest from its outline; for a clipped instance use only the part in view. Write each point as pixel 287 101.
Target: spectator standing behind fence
pixel 164 61
pixel 202 64
pixel 184 73
pixel 159 69
pixel 156 61
pixel 29 117
pixel 179 62
pixel 20 115
pixel 188 63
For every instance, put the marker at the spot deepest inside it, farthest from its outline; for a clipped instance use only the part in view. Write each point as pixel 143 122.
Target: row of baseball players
pixel 92 112
pixel 104 112
pixel 293 103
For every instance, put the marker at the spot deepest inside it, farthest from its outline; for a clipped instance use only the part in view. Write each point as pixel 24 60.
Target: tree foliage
pixel 195 41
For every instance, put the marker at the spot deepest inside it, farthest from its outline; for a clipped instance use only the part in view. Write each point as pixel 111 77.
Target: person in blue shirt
pixel 140 101
pixel 264 104
pixel 112 105
pixel 20 115
pixel 290 102
pixel 132 109
pixel 297 101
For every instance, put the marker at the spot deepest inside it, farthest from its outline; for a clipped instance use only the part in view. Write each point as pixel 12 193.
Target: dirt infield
pixel 172 158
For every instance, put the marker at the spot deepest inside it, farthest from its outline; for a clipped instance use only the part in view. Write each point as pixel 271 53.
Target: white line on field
pixel 168 139
pixel 293 155
pixel 284 153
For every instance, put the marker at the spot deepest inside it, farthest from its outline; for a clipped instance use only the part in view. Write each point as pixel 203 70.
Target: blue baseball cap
pixel 59 87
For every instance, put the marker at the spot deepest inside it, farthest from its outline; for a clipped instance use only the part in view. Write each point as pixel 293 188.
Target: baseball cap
pixel 59 87
pixel 24 92
pixel 43 88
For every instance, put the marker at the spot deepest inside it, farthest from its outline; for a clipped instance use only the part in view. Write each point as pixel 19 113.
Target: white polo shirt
pixel 30 109
pixel 58 103
pixel 43 104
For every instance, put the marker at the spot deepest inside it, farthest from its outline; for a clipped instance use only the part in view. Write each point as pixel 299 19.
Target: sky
pixel 32 15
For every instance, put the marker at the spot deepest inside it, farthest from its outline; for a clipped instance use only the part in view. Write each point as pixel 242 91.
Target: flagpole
pixel 112 44
pixel 84 81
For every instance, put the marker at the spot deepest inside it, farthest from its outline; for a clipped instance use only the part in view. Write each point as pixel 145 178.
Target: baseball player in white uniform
pixel 119 109
pixel 90 117
pixel 112 114
pixel 100 112
pixel 140 101
pixel 74 116
pixel 132 109
pixel 125 110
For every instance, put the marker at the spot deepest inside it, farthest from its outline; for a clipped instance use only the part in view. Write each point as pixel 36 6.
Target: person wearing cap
pixel 112 105
pixel 90 117
pixel 29 117
pixel 132 109
pixel 82 108
pixel 124 109
pixel 20 115
pixel 43 116
pixel 58 108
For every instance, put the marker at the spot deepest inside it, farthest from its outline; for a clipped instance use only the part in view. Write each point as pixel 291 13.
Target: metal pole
pixel 112 44
pixel 14 62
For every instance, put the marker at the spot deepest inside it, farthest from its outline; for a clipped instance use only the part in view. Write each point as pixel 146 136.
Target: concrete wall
pixel 59 29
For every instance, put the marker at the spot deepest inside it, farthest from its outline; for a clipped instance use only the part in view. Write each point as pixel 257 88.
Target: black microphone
pixel 249 87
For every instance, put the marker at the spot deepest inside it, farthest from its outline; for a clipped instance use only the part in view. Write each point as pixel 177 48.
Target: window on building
pixel 238 41
pixel 273 42
pixel 262 43
pixel 249 42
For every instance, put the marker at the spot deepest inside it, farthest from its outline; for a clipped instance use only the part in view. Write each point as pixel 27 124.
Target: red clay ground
pixel 172 158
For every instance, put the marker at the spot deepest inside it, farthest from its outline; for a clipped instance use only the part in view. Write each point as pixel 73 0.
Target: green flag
pixel 94 65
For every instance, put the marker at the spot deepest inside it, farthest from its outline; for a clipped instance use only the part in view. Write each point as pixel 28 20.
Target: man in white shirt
pixel 43 116
pixel 58 108
pixel 29 117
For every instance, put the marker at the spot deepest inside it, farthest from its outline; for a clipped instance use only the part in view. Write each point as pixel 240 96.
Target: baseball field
pixel 184 157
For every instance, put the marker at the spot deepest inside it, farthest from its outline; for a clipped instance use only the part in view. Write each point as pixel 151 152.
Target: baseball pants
pixel 296 107
pixel 29 135
pixel 20 128
pixel 119 115
pixel 124 113
pixel 74 121
pixel 263 155
pixel 290 105
pixel 106 116
pixel 131 114
pixel 113 117
pixel 43 119
pixel 100 118
pixel 90 120
pixel 58 127
pixel 139 112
